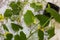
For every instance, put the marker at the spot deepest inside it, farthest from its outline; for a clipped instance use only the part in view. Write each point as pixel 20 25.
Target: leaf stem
pixel 32 34
pixel 47 21
pixel 37 29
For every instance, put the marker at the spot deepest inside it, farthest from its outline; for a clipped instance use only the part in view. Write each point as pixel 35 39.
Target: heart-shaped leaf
pixel 8 13
pixel 17 37
pixel 5 27
pixel 13 5
pixel 16 7
pixel 29 17
pixel 36 6
pixel 42 19
pixel 51 32
pixel 22 36
pixel 9 36
pixel 40 35
pixel 16 27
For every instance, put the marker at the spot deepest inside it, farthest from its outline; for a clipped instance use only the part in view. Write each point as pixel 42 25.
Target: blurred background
pixel 4 5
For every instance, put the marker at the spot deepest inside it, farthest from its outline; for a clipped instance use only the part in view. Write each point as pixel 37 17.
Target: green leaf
pixel 16 8
pixel 36 6
pixel 22 36
pixel 5 27
pixel 18 2
pixel 43 19
pixel 17 37
pixel 29 17
pixel 13 5
pixel 51 32
pixel 8 13
pixel 16 12
pixel 40 35
pixel 55 14
pixel 16 27
pixel 9 36
pixel 33 5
